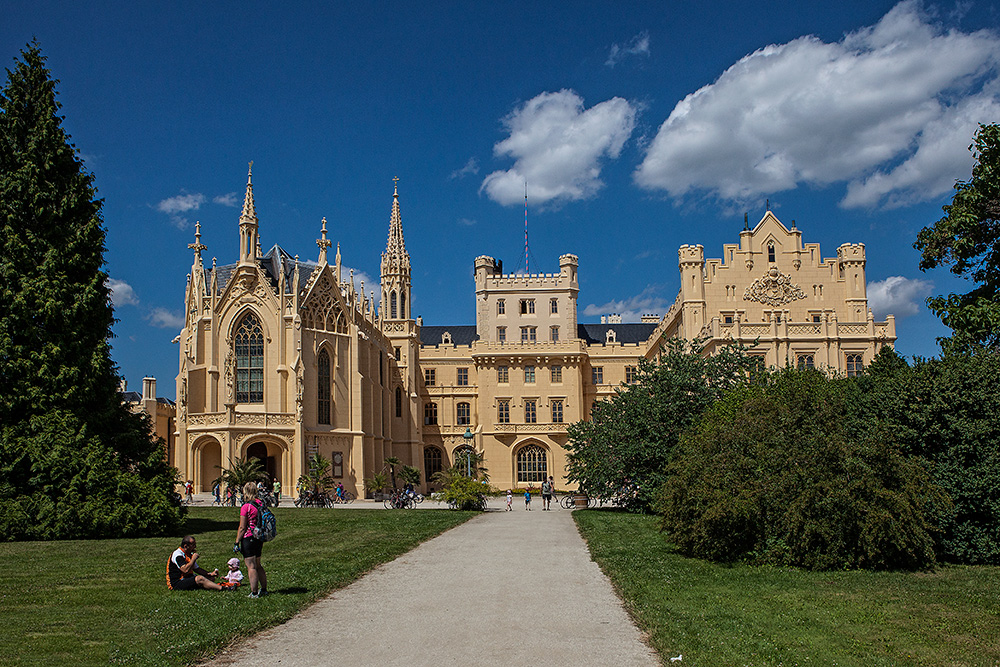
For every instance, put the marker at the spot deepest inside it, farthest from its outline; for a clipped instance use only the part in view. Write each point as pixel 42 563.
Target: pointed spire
pixel 395 247
pixel 325 243
pixel 197 246
pixel 249 210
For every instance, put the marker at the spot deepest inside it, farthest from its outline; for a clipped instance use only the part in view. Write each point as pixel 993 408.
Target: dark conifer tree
pixel 74 462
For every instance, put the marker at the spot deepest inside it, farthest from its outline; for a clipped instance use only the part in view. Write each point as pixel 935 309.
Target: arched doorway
pixel 269 454
pixel 211 459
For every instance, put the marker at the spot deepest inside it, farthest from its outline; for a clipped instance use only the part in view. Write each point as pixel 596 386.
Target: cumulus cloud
pixel 165 319
pixel 889 109
pixel 232 199
pixel 897 296
pixel 181 203
pixel 471 167
pixel 558 147
pixel 122 293
pixel 467 222
pixel 649 301
pixel 637 46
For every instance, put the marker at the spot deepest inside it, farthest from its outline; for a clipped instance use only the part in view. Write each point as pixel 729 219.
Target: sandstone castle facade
pixel 281 358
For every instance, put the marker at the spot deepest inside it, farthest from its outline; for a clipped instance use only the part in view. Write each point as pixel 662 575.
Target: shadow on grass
pixel 194 526
pixel 291 590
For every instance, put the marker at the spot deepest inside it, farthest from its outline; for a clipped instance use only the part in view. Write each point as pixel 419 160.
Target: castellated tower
pixel 526 307
pixel 691 259
pixel 851 259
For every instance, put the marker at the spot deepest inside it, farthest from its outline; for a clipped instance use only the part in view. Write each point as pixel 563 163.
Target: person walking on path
pixel 510 499
pixel 277 492
pixel 249 545
pixel 547 494
pixel 527 499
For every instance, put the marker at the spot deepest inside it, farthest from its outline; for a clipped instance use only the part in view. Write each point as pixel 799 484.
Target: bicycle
pixel 398 500
pixel 345 499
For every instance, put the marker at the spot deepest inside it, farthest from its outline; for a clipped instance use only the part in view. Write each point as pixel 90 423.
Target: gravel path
pixel 504 588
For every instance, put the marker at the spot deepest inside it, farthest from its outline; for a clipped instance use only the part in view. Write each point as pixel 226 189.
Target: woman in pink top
pixel 249 545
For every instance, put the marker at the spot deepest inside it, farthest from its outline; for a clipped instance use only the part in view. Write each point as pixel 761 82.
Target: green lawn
pixel 95 602
pixel 719 615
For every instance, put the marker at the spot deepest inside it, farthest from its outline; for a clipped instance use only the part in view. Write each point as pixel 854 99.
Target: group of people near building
pixel 184 573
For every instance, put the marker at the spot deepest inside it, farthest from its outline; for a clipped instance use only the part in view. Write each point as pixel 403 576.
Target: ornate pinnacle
pixel 197 246
pixel 249 210
pixel 323 244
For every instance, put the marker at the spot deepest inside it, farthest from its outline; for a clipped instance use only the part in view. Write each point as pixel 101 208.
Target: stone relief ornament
pixel 298 394
pixel 774 289
pixel 183 398
pixel 230 372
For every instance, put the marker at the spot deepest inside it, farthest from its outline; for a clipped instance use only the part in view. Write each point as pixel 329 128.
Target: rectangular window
pixel 631 374
pixel 464 414
pixel 855 365
pixel 556 374
pixel 530 412
pixel 503 412
pixel 557 411
pixel 502 334
pixel 597 375
pixel 727 319
pixel 529 334
pixel 430 414
pixel 429 377
pixel 398 353
pixel 463 377
pixel 527 306
pixel 554 306
pixel 501 307
pixel 529 375
pixel 817 319
pixel 503 375
pixel 554 334
pixel 805 361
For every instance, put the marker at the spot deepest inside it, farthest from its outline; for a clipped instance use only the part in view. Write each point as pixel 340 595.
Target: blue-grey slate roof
pixel 274 262
pixel 594 334
pixel 462 334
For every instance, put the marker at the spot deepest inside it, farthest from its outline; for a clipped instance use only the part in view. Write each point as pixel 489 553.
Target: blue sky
pixel 638 126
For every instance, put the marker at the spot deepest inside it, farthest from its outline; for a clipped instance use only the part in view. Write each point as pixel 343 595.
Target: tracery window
pixel 503 412
pixel 855 365
pixel 806 362
pixel 248 346
pixel 557 411
pixel 392 305
pixel 432 461
pixel 323 403
pixel 531 464
pixel 530 412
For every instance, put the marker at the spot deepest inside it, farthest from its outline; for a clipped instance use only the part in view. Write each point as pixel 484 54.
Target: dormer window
pixel 770 252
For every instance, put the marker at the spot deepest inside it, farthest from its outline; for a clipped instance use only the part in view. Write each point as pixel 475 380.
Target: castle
pixel 282 358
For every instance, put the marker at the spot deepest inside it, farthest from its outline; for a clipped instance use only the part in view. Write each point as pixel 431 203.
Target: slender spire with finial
pixel 197 246
pixel 323 244
pixel 395 247
pixel 249 235
pixel 249 210
pixel 337 260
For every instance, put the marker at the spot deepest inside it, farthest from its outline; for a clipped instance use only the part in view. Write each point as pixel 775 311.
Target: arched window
pixel 432 461
pixel 248 346
pixel 770 252
pixel 392 305
pixel 430 414
pixel 399 401
pixel 323 388
pixel 464 414
pixel 402 305
pixel 531 464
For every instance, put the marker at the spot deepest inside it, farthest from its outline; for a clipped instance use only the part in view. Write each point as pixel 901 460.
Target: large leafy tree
pixel 625 447
pixel 74 462
pixel 967 239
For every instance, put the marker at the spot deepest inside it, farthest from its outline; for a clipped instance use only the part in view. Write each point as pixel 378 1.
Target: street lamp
pixel 467 438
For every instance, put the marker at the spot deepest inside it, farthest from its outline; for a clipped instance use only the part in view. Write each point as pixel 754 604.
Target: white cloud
pixel 649 301
pixel 638 45
pixel 229 199
pixel 466 222
pixel 360 277
pixel 471 167
pixel 889 109
pixel 558 147
pixel 181 203
pixel 897 296
pixel 165 319
pixel 122 293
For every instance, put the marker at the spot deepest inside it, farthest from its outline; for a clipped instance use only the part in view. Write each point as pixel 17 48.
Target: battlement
pixel 851 252
pixel 691 253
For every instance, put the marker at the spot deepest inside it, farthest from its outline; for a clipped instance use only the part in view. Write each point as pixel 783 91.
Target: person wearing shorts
pixel 183 573
pixel 249 545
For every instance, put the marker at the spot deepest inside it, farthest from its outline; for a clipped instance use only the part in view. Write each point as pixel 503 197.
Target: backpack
pixel 267 525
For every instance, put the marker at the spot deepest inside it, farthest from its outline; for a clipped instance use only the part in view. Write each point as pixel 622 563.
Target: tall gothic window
pixel 531 464
pixel 399 402
pixel 402 305
pixel 323 388
pixel 392 305
pixel 432 461
pixel 248 345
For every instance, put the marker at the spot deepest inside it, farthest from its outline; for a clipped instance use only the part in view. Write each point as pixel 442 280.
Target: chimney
pixel 149 388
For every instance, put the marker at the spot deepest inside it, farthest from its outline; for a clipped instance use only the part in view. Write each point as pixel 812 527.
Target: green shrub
pixel 774 474
pixel 466 493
